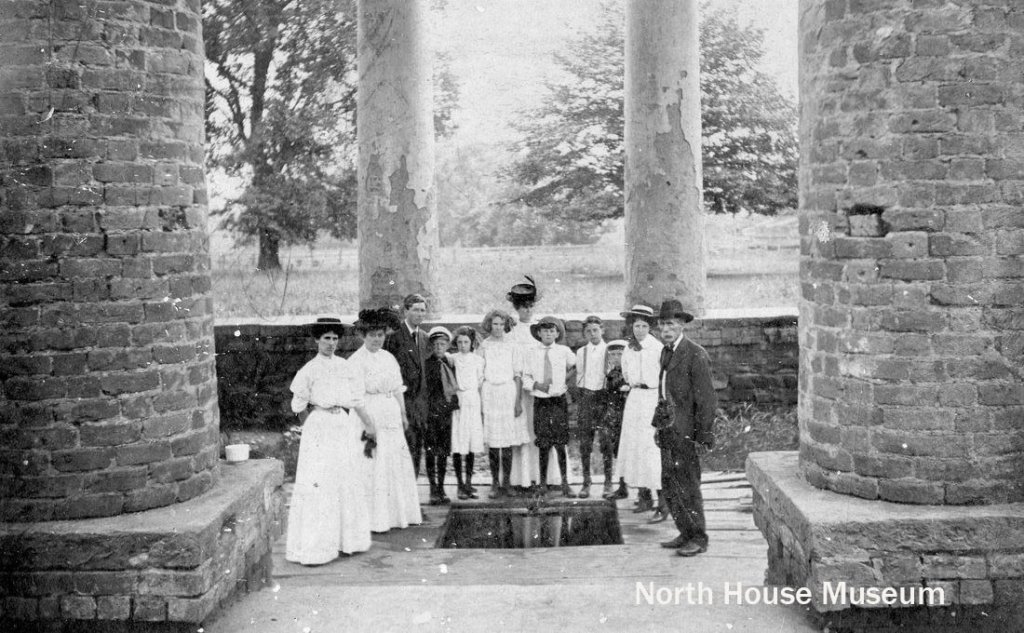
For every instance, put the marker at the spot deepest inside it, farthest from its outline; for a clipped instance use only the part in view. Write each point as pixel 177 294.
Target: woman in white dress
pixel 394 500
pixel 467 420
pixel 526 456
pixel 329 510
pixel 639 458
pixel 501 398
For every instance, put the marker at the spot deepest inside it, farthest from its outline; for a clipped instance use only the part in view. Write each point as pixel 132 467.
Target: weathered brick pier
pixel 113 502
pixel 911 324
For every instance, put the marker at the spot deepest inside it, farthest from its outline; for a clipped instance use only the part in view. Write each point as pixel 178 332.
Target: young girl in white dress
pixel 639 458
pixel 329 510
pixel 501 399
pixel 394 500
pixel 467 421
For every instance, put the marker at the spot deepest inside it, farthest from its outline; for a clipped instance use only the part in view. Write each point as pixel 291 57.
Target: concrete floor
pixel 403 583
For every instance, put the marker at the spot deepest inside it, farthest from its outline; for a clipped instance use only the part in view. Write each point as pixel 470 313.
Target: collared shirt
pixel 379 370
pixel 327 382
pixel 643 366
pixel 590 366
pixel 562 359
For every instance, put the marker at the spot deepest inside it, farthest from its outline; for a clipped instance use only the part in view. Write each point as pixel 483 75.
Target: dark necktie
pixel 666 359
pixel 548 369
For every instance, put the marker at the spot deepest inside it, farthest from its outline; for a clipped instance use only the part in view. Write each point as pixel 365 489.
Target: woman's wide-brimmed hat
pixel 640 311
pixel 673 309
pixel 526 291
pixel 326 324
pixel 376 319
pixel 535 328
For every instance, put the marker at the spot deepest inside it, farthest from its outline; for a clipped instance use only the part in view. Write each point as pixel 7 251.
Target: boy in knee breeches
pixel 590 398
pixel 544 376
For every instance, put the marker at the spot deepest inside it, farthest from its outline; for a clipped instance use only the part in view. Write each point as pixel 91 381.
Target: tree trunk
pixel 665 245
pixel 270 244
pixel 397 217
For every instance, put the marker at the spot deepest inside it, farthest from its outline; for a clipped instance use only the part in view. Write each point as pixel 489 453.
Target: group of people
pixel 406 393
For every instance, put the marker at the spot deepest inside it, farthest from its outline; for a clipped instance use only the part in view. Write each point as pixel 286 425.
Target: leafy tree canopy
pixel 281 107
pixel 569 164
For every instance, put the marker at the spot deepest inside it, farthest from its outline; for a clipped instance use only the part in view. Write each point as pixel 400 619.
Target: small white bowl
pixel 236 453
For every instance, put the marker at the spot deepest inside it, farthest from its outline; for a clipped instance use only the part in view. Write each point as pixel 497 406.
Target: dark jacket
pixel 690 390
pixel 440 387
pixel 614 399
pixel 410 350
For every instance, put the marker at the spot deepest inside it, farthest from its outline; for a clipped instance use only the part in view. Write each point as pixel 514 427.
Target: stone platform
pixel 167 566
pixel 820 539
pixel 405 583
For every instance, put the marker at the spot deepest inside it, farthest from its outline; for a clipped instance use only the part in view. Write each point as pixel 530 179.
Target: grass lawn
pixel 752 262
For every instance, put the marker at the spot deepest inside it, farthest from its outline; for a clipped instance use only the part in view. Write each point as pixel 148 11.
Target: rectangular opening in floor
pixel 526 522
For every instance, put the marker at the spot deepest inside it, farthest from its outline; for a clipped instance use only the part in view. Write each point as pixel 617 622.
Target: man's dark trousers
pixel 680 483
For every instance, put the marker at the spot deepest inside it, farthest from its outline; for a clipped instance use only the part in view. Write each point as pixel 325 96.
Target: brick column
pixel 106 355
pixel 912 320
pixel 663 179
pixel 397 222
pixel 912 177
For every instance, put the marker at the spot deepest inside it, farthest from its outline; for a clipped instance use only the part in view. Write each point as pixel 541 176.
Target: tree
pixel 750 146
pixel 281 102
pixel 475 207
pixel 281 107
pixel 570 159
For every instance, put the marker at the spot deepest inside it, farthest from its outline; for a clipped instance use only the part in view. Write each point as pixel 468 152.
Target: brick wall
pixel 108 402
pixel 753 356
pixel 912 237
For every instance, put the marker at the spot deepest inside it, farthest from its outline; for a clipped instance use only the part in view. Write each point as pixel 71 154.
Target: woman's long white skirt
pixel 467 424
pixel 639 458
pixel 329 510
pixel 394 501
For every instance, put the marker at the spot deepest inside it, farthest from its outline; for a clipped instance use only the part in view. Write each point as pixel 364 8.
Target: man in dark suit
pixel 408 344
pixel 689 413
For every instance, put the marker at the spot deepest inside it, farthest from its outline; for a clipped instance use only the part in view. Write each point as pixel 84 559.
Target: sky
pixel 502 51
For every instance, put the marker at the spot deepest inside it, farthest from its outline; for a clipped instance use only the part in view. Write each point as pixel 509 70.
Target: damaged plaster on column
pixel 397 223
pixel 664 182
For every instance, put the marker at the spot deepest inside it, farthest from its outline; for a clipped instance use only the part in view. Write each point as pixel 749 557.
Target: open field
pixel 752 262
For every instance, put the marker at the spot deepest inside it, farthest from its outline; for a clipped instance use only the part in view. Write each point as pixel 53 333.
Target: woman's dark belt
pixel 334 409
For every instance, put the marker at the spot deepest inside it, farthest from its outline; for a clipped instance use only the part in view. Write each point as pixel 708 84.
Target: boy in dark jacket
pixel 614 403
pixel 440 387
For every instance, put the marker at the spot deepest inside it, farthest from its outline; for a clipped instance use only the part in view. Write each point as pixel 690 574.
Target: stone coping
pixel 182 535
pixel 823 539
pixel 775 476
pixel 780 312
